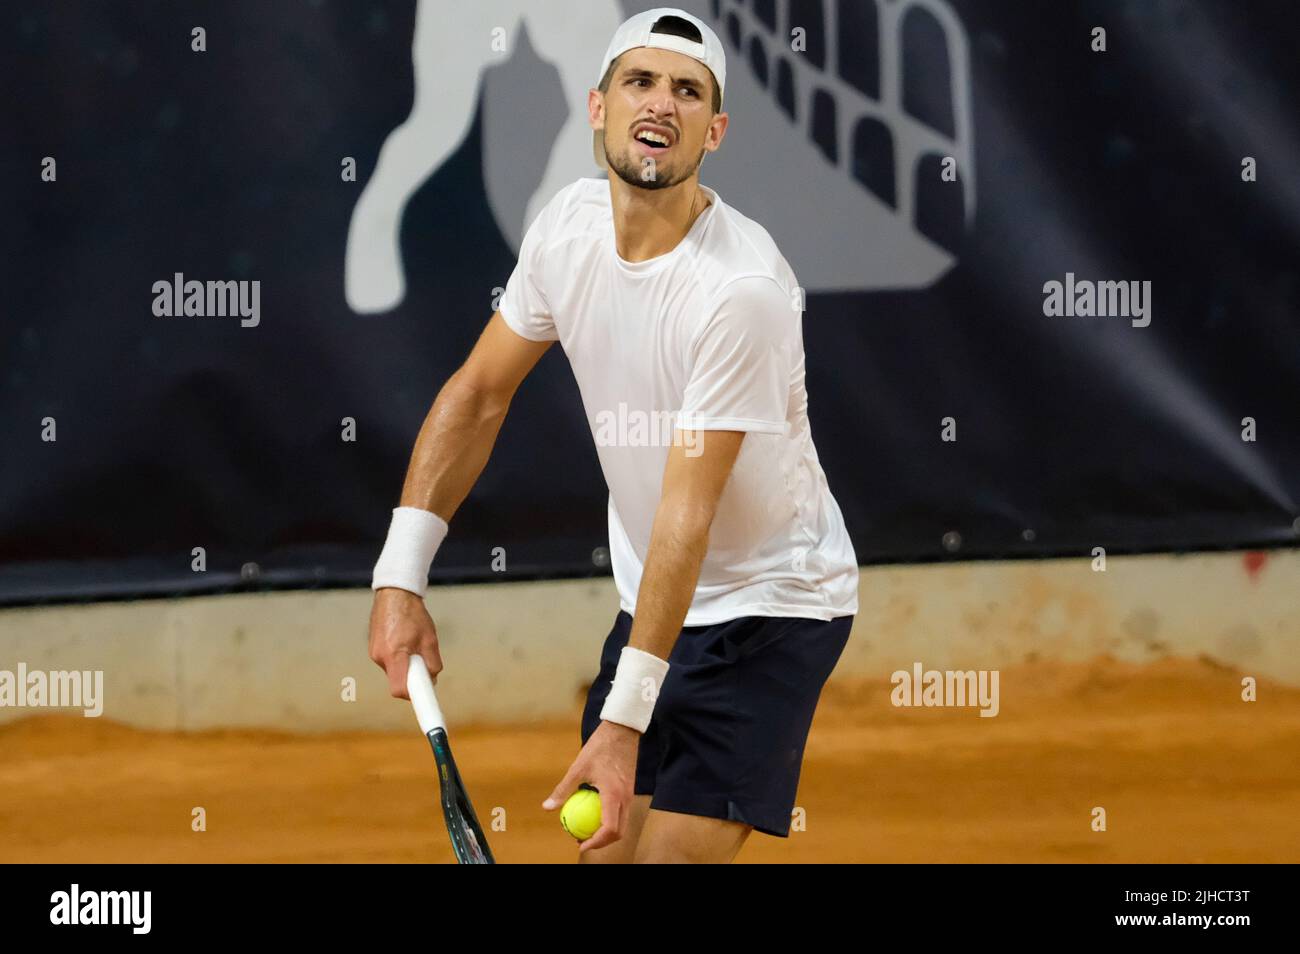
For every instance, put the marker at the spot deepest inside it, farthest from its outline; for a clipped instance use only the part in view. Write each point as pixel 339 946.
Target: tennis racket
pixel 467 838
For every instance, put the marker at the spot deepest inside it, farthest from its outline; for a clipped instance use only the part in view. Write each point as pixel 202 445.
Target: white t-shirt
pixel 708 336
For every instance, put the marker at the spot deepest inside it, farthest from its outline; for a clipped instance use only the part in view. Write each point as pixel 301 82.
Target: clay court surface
pixel 1186 771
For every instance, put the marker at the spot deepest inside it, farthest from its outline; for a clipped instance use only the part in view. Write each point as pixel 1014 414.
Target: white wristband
pixel 413 538
pixel 637 681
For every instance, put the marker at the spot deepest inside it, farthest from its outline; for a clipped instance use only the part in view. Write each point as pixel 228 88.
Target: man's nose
pixel 661 103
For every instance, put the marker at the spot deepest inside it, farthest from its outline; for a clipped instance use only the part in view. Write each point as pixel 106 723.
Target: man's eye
pixel 690 90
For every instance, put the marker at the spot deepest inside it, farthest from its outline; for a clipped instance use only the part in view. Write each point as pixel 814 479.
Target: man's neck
pixel 651 222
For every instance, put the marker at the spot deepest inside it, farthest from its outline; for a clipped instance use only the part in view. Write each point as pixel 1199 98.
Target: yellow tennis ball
pixel 580 815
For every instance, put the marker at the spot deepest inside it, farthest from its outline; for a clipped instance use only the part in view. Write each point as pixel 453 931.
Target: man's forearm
pixel 453 446
pixel 678 543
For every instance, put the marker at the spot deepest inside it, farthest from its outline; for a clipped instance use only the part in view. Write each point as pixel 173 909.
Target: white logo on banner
pixel 844 223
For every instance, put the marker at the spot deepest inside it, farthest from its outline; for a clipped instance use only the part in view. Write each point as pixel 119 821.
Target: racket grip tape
pixel 420 688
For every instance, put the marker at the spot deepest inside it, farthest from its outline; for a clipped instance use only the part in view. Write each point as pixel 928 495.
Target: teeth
pixel 653 137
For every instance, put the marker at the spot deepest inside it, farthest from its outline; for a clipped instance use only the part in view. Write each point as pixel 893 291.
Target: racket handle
pixel 420 688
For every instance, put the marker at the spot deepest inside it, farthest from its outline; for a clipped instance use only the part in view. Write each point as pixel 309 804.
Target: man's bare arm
pixel 461 428
pixel 679 538
pixel 450 453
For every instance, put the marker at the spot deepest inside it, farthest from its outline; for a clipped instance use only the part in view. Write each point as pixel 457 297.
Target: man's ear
pixel 596 109
pixel 717 125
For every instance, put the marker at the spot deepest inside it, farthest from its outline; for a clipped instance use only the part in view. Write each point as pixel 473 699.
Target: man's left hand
pixel 607 761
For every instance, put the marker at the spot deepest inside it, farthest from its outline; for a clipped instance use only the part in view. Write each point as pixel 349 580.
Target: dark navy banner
pixel 1051 255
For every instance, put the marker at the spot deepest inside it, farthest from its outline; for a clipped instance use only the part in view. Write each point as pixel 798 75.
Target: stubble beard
pixel 630 172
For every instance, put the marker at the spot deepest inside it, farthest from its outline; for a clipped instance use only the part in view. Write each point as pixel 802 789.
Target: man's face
pixel 656 95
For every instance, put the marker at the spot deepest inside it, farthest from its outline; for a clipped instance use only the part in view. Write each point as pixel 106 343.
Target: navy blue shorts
pixel 729 727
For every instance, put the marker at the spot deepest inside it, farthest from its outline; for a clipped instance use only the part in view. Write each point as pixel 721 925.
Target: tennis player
pixel 737 581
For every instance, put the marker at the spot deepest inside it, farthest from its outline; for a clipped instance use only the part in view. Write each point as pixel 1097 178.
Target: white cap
pixel 639 31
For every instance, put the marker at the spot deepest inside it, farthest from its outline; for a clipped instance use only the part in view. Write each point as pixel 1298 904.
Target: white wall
pixel 524 650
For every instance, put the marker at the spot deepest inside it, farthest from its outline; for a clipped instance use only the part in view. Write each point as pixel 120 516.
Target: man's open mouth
pixel 653 140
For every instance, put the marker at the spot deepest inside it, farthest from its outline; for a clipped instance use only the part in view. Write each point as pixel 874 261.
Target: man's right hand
pixel 400 627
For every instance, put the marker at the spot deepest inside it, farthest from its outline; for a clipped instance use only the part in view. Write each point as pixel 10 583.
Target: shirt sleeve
pixel 523 305
pixel 741 361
